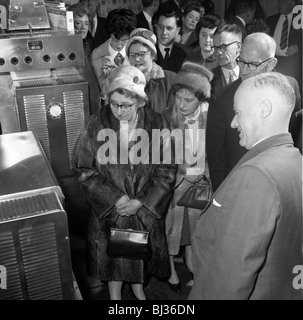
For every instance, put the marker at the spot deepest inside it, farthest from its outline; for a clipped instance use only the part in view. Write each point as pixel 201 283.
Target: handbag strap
pixel 118 216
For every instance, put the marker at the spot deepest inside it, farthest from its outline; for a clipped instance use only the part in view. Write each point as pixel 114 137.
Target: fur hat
pixel 129 78
pixel 194 76
pixel 144 36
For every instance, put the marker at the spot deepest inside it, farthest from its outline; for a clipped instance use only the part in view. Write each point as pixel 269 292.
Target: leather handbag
pixel 197 195
pixel 129 243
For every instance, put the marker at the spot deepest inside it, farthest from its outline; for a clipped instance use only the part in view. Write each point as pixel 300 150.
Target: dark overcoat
pixel 105 184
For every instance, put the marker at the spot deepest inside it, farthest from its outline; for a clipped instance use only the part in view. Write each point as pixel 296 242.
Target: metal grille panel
pixel 8 254
pixel 35 113
pixel 74 113
pixel 40 260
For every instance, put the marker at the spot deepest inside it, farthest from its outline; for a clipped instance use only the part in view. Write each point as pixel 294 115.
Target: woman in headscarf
pixel 192 88
pixel 141 51
pixel 120 192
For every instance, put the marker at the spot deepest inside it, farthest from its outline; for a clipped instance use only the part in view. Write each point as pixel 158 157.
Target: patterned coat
pixel 105 184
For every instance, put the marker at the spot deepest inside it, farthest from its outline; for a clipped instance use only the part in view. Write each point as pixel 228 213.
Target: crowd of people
pixel 231 86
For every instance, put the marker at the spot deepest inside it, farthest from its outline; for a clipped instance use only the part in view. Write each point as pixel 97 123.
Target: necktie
pixel 284 34
pixel 232 76
pixel 166 57
pixel 118 59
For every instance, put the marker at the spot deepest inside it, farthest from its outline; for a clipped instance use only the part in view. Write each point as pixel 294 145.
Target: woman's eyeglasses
pixel 124 107
pixel 140 54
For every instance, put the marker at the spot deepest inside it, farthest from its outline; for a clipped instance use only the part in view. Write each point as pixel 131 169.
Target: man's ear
pixel 272 64
pixel 265 108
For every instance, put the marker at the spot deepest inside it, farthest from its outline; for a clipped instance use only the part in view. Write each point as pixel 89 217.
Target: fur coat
pixel 105 184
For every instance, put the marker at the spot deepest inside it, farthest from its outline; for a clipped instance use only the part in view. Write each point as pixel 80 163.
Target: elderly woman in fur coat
pixel 192 88
pixel 141 51
pixel 120 191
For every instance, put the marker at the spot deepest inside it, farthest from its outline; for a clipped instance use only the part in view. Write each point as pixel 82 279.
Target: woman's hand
pixel 129 208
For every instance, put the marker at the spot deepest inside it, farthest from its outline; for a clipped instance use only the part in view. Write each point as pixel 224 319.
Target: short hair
pixel 80 10
pixel 120 22
pixel 230 28
pixel 209 6
pixel 192 6
pixel 211 21
pixel 167 14
pixel 274 81
pixel 268 43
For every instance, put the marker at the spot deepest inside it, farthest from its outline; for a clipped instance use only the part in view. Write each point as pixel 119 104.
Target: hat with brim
pixel 145 36
pixel 128 78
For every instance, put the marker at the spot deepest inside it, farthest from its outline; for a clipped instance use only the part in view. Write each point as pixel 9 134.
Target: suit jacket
pixel 170 5
pixel 101 35
pixel 222 141
pixel 249 239
pixel 141 21
pixel 176 58
pixel 289 65
pixel 219 81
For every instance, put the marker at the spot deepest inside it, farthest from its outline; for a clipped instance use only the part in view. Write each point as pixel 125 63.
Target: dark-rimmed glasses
pixel 140 54
pixel 251 65
pixel 223 47
pixel 124 107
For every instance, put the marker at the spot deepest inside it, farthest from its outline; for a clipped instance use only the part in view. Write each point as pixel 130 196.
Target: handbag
pixel 197 195
pixel 129 243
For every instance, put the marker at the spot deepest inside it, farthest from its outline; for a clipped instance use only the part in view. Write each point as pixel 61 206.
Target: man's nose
pixel 119 111
pixel 234 122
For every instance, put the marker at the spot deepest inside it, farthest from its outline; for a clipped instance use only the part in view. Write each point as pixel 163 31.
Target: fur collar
pixel 156 72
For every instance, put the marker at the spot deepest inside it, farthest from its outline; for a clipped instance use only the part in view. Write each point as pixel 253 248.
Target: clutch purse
pixel 129 243
pixel 197 195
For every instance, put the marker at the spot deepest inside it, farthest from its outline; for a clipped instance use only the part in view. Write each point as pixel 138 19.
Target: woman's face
pixel 123 108
pixel 141 58
pixel 118 44
pixel 82 24
pixel 191 19
pixel 186 101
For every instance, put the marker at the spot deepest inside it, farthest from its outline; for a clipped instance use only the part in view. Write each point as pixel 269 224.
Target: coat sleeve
pixel 101 194
pixel 244 226
pixel 215 142
pixel 157 193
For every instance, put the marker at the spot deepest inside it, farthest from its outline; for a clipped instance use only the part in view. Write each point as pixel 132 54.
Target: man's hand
pixel 292 50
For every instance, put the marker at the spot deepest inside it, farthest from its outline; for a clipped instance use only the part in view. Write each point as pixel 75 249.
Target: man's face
pixel 285 6
pixel 227 57
pixel 246 119
pixel 253 54
pixel 167 30
pixel 206 39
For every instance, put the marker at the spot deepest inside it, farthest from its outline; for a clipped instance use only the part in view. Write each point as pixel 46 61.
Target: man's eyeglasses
pixel 140 54
pixel 124 107
pixel 223 47
pixel 251 65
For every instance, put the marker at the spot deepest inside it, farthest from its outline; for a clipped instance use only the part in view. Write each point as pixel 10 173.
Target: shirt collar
pixel 242 20
pixel 113 52
pixel 226 72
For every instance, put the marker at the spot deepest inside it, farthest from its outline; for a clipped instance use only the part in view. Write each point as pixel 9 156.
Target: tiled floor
pixel 92 289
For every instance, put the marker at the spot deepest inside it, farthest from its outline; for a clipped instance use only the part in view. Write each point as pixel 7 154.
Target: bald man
pixel 222 143
pixel 248 242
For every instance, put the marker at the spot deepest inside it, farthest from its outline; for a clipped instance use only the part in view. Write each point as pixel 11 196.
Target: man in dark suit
pixel 222 142
pixel 227 47
pixel 169 55
pixel 244 14
pixel 288 39
pixel 247 244
pixel 144 17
